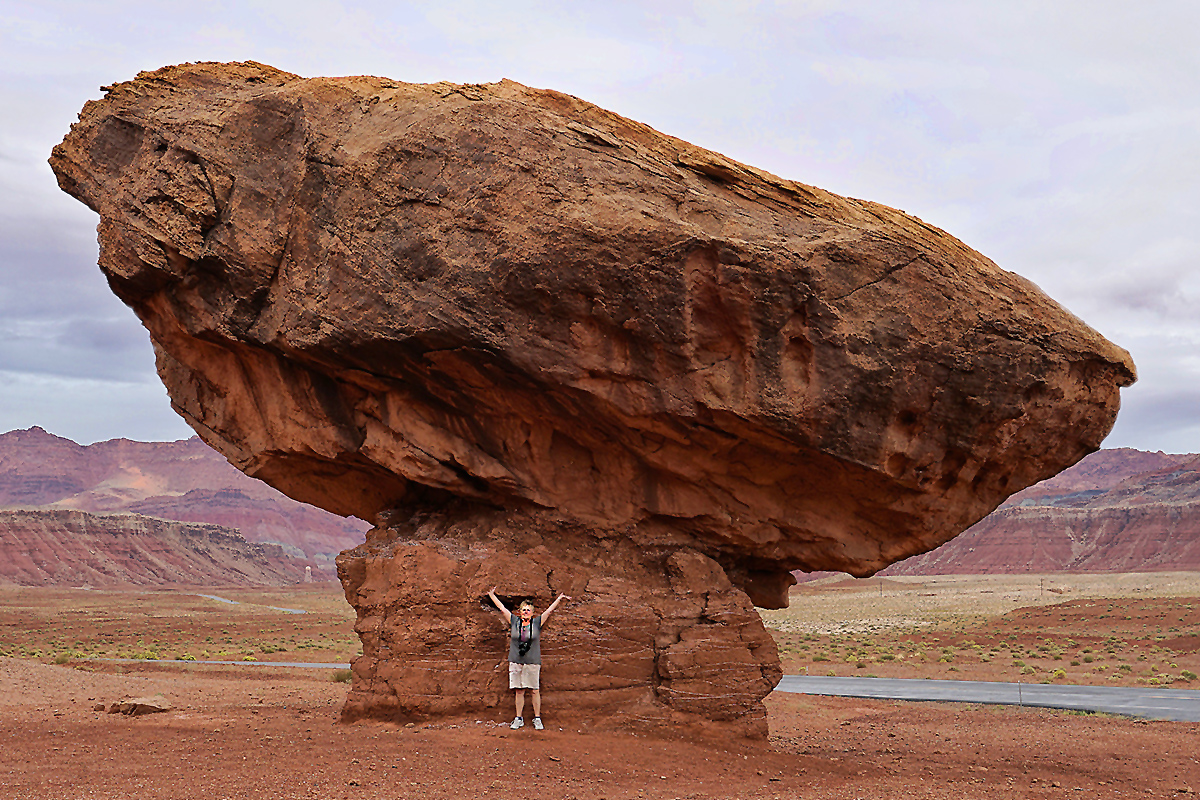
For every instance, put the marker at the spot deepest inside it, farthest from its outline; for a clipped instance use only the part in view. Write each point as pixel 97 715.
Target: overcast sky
pixel 1060 138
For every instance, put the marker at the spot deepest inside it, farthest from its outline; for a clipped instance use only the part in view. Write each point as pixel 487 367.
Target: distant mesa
pixel 544 346
pixel 185 481
pixel 1115 511
pixel 74 548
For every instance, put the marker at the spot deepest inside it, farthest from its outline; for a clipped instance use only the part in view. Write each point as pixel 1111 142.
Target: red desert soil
pixel 244 732
pixel 255 731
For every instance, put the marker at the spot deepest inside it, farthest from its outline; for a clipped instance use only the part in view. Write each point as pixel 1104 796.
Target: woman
pixel 525 654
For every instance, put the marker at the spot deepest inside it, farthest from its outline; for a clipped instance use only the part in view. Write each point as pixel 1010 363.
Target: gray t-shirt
pixel 531 633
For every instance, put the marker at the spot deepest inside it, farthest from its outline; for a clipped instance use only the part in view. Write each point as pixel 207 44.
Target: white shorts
pixel 524 676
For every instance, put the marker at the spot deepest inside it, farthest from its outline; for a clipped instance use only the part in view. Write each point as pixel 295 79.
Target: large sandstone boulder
pixel 542 344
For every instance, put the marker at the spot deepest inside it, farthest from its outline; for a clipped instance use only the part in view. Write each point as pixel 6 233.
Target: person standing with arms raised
pixel 525 654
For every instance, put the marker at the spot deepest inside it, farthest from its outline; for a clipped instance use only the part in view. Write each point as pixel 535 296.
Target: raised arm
pixel 500 606
pixel 546 614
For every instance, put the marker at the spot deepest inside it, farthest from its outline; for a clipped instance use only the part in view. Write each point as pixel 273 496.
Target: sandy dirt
pixel 183 622
pixel 253 731
pixel 243 732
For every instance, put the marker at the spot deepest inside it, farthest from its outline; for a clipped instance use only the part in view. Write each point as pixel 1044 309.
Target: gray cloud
pixel 1169 422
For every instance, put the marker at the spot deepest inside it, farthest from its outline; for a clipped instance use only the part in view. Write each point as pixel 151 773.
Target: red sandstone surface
pixel 381 297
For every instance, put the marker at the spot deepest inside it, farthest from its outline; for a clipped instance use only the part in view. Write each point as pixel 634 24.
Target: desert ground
pixel 1137 629
pixel 248 730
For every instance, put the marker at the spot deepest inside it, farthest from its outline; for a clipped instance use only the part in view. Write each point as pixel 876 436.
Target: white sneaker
pixel 518 723
pixel 537 724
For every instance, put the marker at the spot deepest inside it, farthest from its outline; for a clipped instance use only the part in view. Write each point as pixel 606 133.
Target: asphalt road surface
pixel 1175 704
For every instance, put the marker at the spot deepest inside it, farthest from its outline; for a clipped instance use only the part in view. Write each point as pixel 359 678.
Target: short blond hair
pixel 526 603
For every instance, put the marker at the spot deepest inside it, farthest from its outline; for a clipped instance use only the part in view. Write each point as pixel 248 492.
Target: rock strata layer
pixel 185 481
pixel 1115 511
pixel 392 300
pixel 73 548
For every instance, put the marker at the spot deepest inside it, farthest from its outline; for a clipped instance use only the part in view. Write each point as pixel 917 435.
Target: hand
pixel 563 597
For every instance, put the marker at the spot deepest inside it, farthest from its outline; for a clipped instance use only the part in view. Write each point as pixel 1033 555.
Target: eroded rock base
pixel 656 636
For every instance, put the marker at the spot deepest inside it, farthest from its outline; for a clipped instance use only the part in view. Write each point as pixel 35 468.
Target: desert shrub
pixel 342 676
pixel 1126 668
pixel 1027 670
pixel 1018 663
pixel 1187 675
pixel 1074 663
pixel 142 655
pixel 1058 674
pixel 820 657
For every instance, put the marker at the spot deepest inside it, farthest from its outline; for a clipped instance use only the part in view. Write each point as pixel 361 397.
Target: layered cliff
pixel 186 481
pixel 73 548
pixel 1115 511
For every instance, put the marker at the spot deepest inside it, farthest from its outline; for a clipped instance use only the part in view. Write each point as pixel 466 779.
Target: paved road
pixel 1175 704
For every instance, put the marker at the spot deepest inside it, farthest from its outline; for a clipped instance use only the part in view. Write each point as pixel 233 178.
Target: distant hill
pixel 185 481
pixel 1115 511
pixel 74 548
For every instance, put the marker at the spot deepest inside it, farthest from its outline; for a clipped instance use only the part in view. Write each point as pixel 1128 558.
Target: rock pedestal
pixel 655 636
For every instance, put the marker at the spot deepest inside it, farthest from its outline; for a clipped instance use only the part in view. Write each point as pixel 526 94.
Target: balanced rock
pixel 543 345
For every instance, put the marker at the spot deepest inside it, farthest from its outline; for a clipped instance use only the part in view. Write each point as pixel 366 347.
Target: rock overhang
pixel 443 302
